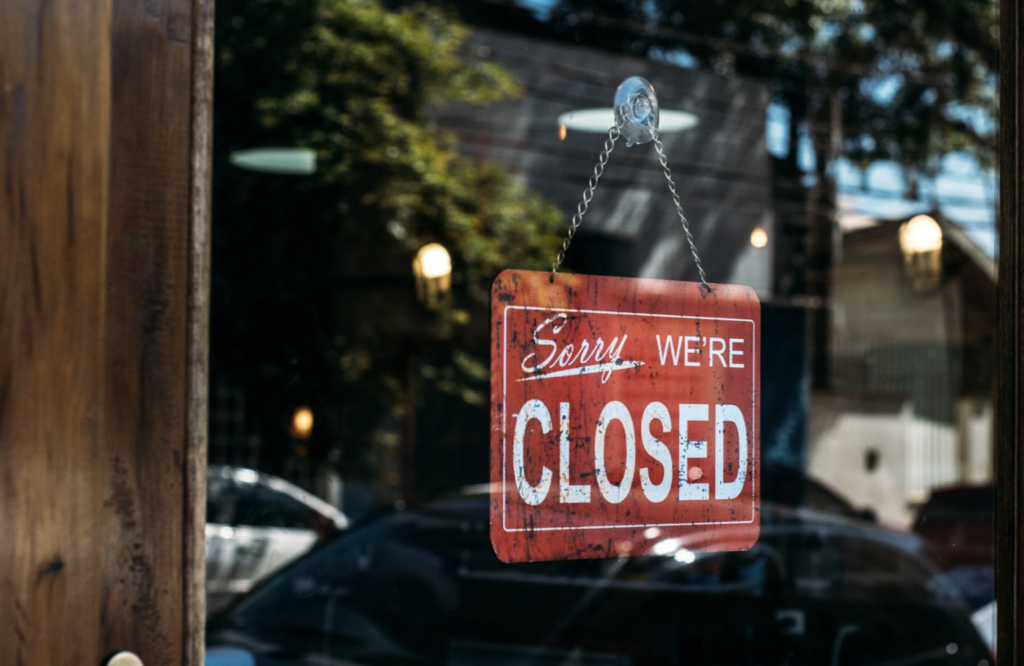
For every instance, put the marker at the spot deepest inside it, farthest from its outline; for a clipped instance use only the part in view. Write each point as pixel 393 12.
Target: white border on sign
pixel 504 418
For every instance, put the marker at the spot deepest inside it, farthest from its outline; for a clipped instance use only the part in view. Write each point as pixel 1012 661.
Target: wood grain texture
pixel 102 309
pixel 198 337
pixel 54 129
pixel 1010 342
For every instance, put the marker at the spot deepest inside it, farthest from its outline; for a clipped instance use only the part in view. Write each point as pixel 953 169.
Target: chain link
pixel 609 144
pixel 679 209
pixel 577 219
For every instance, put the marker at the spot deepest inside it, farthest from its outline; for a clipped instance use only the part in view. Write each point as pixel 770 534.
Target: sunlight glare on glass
pixel 685 556
pixel 666 547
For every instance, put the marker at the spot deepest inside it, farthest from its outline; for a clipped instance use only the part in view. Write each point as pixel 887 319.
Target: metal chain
pixel 577 219
pixel 609 144
pixel 679 209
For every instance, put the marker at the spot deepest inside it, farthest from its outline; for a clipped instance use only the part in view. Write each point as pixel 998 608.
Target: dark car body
pixel 957 524
pixel 424 586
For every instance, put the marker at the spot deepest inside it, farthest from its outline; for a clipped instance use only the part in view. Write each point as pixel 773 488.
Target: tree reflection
pixel 313 297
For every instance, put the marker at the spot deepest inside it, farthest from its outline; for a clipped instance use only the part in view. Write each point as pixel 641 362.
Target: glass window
pixel 379 162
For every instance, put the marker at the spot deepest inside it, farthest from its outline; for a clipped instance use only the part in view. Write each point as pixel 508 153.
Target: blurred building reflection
pixel 909 403
pixel 873 384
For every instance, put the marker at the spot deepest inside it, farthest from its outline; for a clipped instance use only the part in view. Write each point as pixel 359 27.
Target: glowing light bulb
pixel 920 234
pixel 759 238
pixel 434 261
pixel 432 269
pixel 302 423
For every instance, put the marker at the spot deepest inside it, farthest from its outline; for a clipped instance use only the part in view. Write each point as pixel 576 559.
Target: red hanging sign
pixel 625 415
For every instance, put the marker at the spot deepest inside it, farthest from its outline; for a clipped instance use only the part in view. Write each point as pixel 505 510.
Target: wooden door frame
pixel 1009 457
pixel 105 148
pixel 200 246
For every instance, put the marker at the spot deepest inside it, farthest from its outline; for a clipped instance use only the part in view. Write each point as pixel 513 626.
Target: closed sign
pixel 625 415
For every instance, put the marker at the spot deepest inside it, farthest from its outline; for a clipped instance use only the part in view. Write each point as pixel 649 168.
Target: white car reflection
pixel 255 525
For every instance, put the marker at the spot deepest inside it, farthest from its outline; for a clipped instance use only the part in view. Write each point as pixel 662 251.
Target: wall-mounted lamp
pixel 921 246
pixel 302 423
pixel 433 270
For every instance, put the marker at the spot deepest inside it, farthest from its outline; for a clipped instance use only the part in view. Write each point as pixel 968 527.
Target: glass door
pixel 378 164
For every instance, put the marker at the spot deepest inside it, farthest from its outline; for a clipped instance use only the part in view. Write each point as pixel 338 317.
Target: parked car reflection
pixel 255 525
pixel 957 523
pixel 424 586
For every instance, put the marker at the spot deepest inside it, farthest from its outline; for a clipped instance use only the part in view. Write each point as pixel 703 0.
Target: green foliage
pixel 914 79
pixel 313 274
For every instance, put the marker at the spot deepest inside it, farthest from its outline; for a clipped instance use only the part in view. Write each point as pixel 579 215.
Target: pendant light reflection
pixel 281 161
pixel 921 245
pixel 598 121
pixel 432 268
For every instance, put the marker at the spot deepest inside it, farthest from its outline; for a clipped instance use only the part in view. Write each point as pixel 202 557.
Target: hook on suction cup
pixel 636 110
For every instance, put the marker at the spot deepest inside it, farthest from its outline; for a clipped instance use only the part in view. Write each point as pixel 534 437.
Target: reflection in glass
pixel 425 585
pixel 836 157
